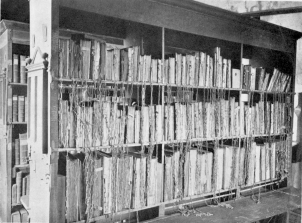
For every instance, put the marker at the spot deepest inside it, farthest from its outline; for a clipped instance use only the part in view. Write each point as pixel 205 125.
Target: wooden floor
pixel 244 209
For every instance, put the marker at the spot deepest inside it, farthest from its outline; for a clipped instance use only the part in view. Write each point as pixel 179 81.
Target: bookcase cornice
pixel 193 17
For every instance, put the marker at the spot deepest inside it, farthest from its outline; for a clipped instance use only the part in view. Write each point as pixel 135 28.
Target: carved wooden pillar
pixel 43 103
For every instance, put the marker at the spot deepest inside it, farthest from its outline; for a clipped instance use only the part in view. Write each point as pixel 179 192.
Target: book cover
pixel 253 78
pixel 86 53
pixel 15 109
pixel 257 163
pixel 137 120
pixel 14 194
pixel 152 123
pixel 171 76
pixel 23 72
pixel 154 70
pixel 17 151
pixel 219 163
pixel 144 128
pixel 21 108
pixel 195 81
pixel 130 125
pixel 202 70
pixel 19 185
pixel 227 167
pixel 192 172
pixel 23 148
pixel 184 70
pixel 209 171
pixel 236 78
pixel 178 67
pixel 168 185
pixel 159 71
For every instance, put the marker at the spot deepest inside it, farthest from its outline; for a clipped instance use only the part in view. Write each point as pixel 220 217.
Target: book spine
pixel 16 71
pixel 15 108
pixel 21 109
pixel 23 72
pixel 17 151
pixel 19 185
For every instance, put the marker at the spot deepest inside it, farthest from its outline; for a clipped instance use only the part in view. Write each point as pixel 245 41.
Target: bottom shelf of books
pixel 99 184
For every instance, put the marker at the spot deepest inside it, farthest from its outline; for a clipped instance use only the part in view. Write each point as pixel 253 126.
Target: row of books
pixel 20 150
pixel 266 118
pixel 91 59
pixel 115 184
pixel 109 123
pixel 133 181
pixel 18 109
pixel 19 69
pixel 20 188
pixel 258 79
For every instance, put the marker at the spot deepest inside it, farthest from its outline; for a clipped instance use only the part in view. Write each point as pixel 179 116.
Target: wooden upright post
pixel 44 31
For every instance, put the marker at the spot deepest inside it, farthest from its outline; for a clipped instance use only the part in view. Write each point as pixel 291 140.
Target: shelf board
pixel 17 123
pixel 82 81
pixel 168 142
pixel 17 84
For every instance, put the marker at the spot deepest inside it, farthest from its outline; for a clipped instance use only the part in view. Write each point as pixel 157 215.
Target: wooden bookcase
pixel 14 43
pixel 83 130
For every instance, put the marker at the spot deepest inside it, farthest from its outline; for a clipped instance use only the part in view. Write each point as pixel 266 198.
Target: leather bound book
pixel 227 167
pixel 253 78
pixel 202 70
pixel 130 125
pixel 171 76
pixel 125 65
pixel 16 71
pixel 14 194
pixel 109 64
pixel 15 108
pixel 63 59
pixel 86 53
pixel 23 148
pixel 159 71
pixel 19 185
pixel 23 73
pixel 178 64
pixel 158 123
pixel 21 109
pixel 168 184
pixel 154 70
pixel 17 151
pixel 195 81
pixel 137 120
pixel 184 70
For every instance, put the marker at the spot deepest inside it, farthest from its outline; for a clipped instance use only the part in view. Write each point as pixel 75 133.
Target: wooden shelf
pixel 17 84
pixel 93 82
pixel 17 123
pixel 168 142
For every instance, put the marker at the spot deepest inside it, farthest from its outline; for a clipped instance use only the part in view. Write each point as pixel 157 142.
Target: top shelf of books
pixel 92 61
